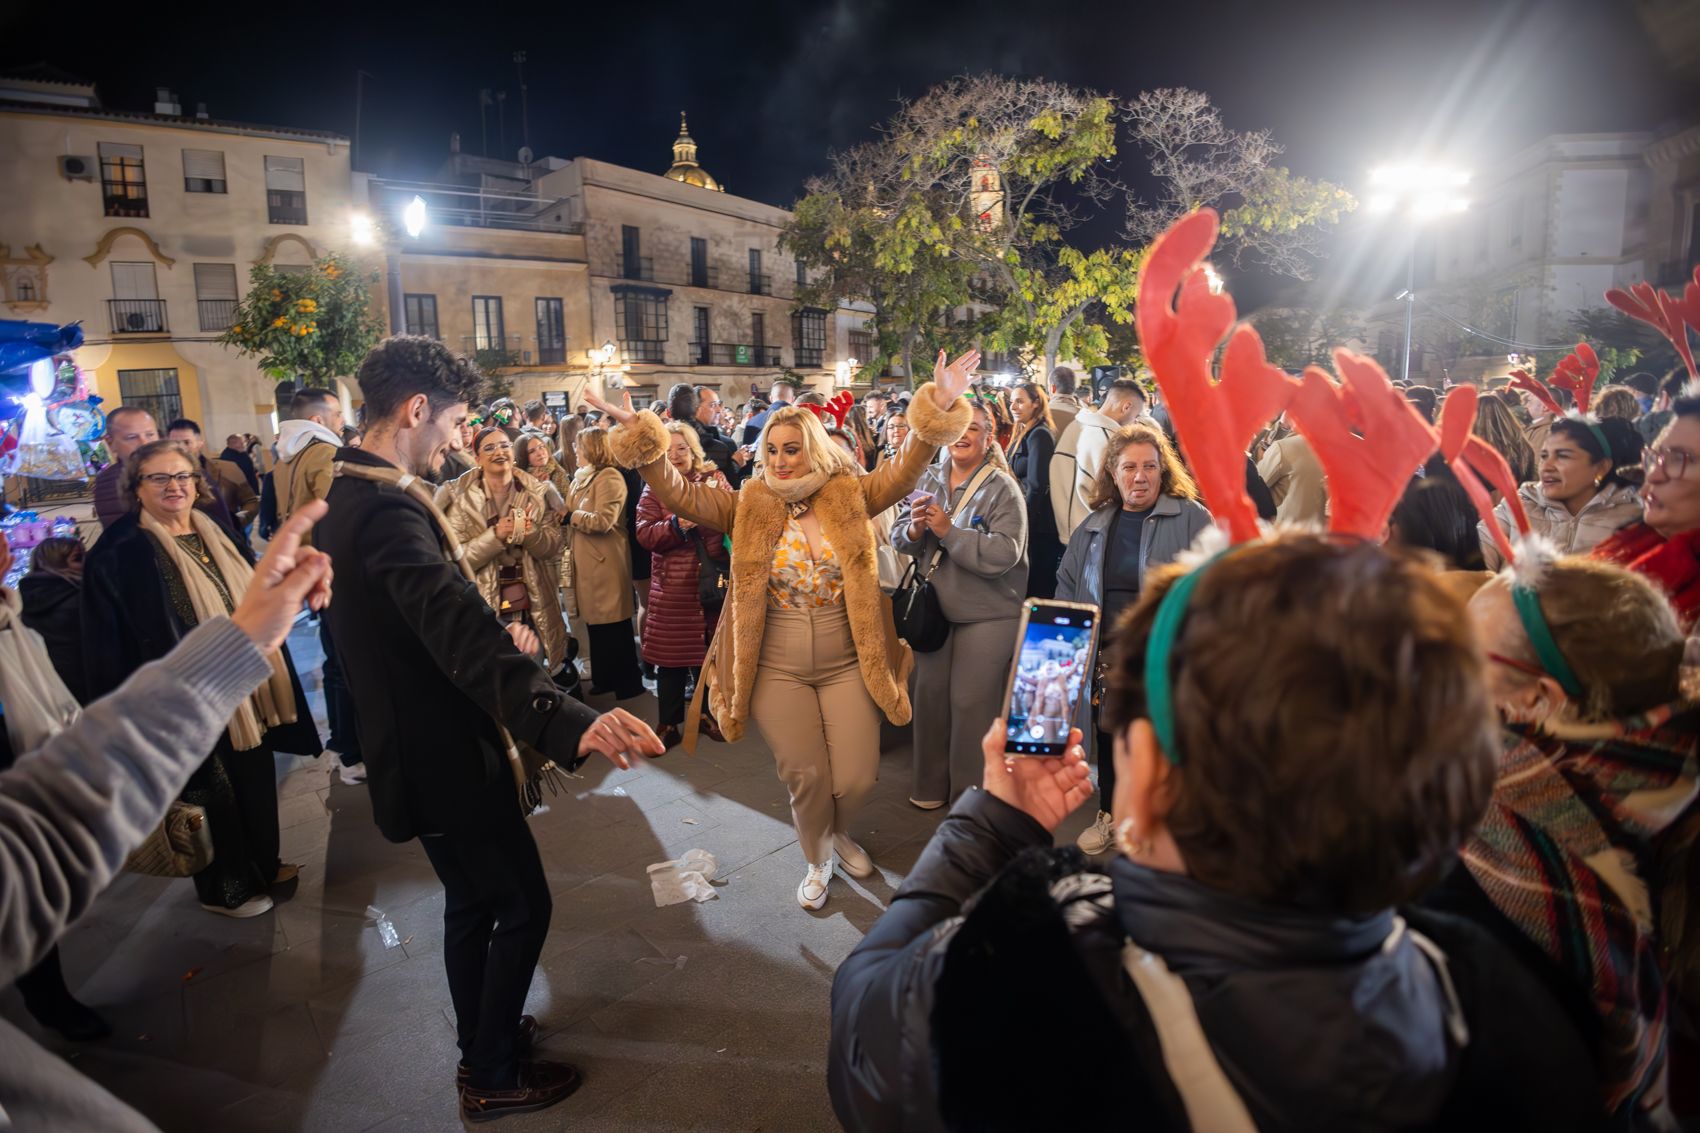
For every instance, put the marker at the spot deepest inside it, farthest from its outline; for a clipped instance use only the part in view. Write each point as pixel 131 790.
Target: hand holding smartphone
pixel 1052 671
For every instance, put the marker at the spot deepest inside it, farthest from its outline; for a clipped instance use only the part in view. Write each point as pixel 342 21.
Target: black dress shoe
pixel 523 1042
pixel 540 1085
pixel 670 737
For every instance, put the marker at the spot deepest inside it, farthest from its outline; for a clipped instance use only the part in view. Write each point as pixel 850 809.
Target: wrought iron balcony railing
pixel 137 316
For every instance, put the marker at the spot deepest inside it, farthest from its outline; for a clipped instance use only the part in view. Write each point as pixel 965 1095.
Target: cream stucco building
pixel 144 226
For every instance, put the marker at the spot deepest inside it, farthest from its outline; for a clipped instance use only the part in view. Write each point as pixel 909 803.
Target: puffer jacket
pixel 464 502
pixel 675 627
pixel 1317 1022
pixel 1614 506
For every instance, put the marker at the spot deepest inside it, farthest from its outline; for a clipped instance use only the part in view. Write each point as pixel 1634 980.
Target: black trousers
pixel 670 685
pixel 339 702
pixel 495 917
pixel 1106 772
pixel 1044 556
pixel 614 659
pixel 239 791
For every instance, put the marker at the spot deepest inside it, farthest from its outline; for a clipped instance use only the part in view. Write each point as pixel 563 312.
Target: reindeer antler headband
pixel 837 409
pixel 1670 316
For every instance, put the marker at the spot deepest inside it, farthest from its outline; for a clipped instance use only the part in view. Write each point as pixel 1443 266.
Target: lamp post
pixel 601 357
pixel 1420 193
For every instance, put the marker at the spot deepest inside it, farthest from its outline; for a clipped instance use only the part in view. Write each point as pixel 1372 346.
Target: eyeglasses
pixel 502 446
pixel 1673 462
pixel 161 479
pixel 1520 666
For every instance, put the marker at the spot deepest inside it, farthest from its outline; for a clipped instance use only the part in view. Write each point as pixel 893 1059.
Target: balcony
pixel 702 275
pixel 551 353
pixel 636 267
pixel 286 206
pixel 461 206
pixel 761 283
pixel 216 314
pixel 494 351
pixel 137 316
pixel 734 354
pixel 635 350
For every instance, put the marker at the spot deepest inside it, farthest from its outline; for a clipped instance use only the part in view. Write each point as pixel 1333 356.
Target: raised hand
pixel 288 575
pixel 617 735
pixel 950 379
pixel 620 416
pixel 1047 789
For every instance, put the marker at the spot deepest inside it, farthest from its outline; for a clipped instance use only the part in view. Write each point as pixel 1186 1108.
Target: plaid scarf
pixel 1567 851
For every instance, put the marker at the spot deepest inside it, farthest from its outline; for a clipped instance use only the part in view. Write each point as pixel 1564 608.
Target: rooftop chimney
pixel 166 102
pixel 201 110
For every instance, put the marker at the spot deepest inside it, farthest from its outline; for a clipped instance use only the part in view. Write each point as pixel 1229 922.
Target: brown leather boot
pixel 541 1085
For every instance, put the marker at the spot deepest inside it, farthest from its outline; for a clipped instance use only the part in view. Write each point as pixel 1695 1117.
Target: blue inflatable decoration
pixel 22 344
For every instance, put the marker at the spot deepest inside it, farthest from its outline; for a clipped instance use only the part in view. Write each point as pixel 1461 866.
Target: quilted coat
pixel 675 630
pixel 756 516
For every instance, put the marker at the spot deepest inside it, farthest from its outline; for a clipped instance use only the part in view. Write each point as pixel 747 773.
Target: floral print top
pixel 798 581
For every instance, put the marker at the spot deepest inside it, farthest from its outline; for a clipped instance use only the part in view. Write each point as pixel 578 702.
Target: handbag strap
pixel 951 511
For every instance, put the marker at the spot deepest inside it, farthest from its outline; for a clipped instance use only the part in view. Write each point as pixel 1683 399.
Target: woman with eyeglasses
pixel 1585 487
pixel 155 574
pixel 1665 545
pixel 503 518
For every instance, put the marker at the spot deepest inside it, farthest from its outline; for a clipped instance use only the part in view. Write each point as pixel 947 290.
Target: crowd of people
pixel 1428 859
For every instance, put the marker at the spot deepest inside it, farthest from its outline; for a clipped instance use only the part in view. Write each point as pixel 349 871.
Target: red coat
pixel 675 630
pixel 1673 563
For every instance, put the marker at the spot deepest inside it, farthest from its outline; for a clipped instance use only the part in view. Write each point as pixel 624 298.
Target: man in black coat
pixel 719 448
pixel 236 453
pixel 434 672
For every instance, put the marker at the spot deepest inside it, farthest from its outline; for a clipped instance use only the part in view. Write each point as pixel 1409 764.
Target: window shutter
pixel 120 149
pixel 286 174
pixel 203 164
pixel 215 281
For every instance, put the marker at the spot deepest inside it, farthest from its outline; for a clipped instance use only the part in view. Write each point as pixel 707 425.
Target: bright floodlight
pixel 413 216
pixel 360 228
pixel 1420 189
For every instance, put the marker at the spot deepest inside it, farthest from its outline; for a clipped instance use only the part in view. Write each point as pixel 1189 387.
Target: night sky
pixel 771 88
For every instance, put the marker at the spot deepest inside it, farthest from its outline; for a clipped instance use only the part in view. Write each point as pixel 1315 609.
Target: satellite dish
pixel 525 155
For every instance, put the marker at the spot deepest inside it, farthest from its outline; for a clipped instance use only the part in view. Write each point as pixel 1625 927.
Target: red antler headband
pixel 1473 459
pixel 1529 384
pixel 838 408
pixel 1577 372
pixel 1215 420
pixel 1666 313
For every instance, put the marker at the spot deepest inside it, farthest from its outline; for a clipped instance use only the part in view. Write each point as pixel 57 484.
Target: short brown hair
pixel 1176 480
pixel 593 448
pixel 1616 401
pixel 130 479
pixel 1339 765
pixel 1617 631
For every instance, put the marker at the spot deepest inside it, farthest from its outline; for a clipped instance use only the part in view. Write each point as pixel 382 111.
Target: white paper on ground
pixel 685 878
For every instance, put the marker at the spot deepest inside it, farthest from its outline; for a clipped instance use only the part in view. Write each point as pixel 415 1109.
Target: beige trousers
pixel 813 710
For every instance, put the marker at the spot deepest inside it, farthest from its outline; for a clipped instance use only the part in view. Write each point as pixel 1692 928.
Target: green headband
pixel 1540 636
pixel 1159 686
pixel 1594 428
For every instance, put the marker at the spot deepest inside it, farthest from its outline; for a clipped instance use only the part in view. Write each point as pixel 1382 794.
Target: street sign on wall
pixel 554 399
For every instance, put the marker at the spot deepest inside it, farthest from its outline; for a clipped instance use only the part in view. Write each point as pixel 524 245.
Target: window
pixel 551 332
pixel 699 263
pixel 203 171
pixel 802 274
pixel 631 254
pixel 1514 222
pixel 759 283
pixel 153 390
pixel 861 345
pixel 123 181
pixel 419 313
pixel 640 323
pixel 699 335
pixel 286 190
pixel 488 333
pixel 215 295
pixel 135 305
pixel 808 328
pixel 758 330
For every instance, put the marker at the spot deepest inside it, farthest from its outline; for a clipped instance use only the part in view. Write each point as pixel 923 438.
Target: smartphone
pixel 916 496
pixel 1052 671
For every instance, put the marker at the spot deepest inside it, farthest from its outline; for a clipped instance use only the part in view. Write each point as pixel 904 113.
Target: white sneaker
pixel 812 893
pixel 926 804
pixel 353 776
pixel 252 907
pixel 852 859
pixel 1098 837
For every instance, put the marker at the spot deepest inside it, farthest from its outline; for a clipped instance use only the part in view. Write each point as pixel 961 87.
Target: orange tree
pixel 309 324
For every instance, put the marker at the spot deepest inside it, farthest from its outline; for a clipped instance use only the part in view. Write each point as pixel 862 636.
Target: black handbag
pixel 711 578
pixel 915 607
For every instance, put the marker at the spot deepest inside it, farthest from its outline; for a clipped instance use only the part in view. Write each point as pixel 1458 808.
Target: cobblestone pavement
pixel 708 1016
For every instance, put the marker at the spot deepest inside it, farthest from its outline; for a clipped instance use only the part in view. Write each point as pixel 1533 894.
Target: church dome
pixel 685 167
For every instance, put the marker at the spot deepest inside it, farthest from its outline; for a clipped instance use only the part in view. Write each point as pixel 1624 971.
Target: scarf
pixel 1673 563
pixel 273 703
pixel 797 489
pixel 38 705
pixel 1566 852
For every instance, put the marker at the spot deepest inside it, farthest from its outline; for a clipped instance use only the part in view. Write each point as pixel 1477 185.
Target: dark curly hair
pixel 408 364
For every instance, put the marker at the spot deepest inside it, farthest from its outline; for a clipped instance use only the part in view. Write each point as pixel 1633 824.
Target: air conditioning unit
pixel 76 168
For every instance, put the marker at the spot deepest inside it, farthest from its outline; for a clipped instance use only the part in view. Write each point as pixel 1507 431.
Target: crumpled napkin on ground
pixel 686 878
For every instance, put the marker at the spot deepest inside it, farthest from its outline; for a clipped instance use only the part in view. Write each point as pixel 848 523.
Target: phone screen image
pixel 1052 671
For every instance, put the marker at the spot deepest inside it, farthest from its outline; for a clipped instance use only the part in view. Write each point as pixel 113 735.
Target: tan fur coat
pixel 755 516
pixel 464 502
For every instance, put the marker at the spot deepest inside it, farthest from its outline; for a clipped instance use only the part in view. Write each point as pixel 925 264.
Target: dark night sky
pixel 772 87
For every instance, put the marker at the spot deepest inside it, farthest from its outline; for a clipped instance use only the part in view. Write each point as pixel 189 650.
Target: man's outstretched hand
pixel 617 735
pixel 287 576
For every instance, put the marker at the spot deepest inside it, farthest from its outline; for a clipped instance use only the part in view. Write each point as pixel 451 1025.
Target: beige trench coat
pixel 463 501
pixel 599 565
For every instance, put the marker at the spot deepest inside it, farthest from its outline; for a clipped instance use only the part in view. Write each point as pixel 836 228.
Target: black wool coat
pixel 430 668
pixel 128 620
pixel 53 607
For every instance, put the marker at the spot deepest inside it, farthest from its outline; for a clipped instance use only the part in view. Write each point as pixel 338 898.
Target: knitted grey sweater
pixel 72 810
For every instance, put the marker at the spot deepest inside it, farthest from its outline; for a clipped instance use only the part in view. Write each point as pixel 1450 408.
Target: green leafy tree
pixel 314 325
pixel 1298 336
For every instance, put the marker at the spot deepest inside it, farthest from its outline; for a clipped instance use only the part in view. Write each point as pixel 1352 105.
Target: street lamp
pixel 844 371
pixel 1422 193
pixel 413 216
pixel 601 357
